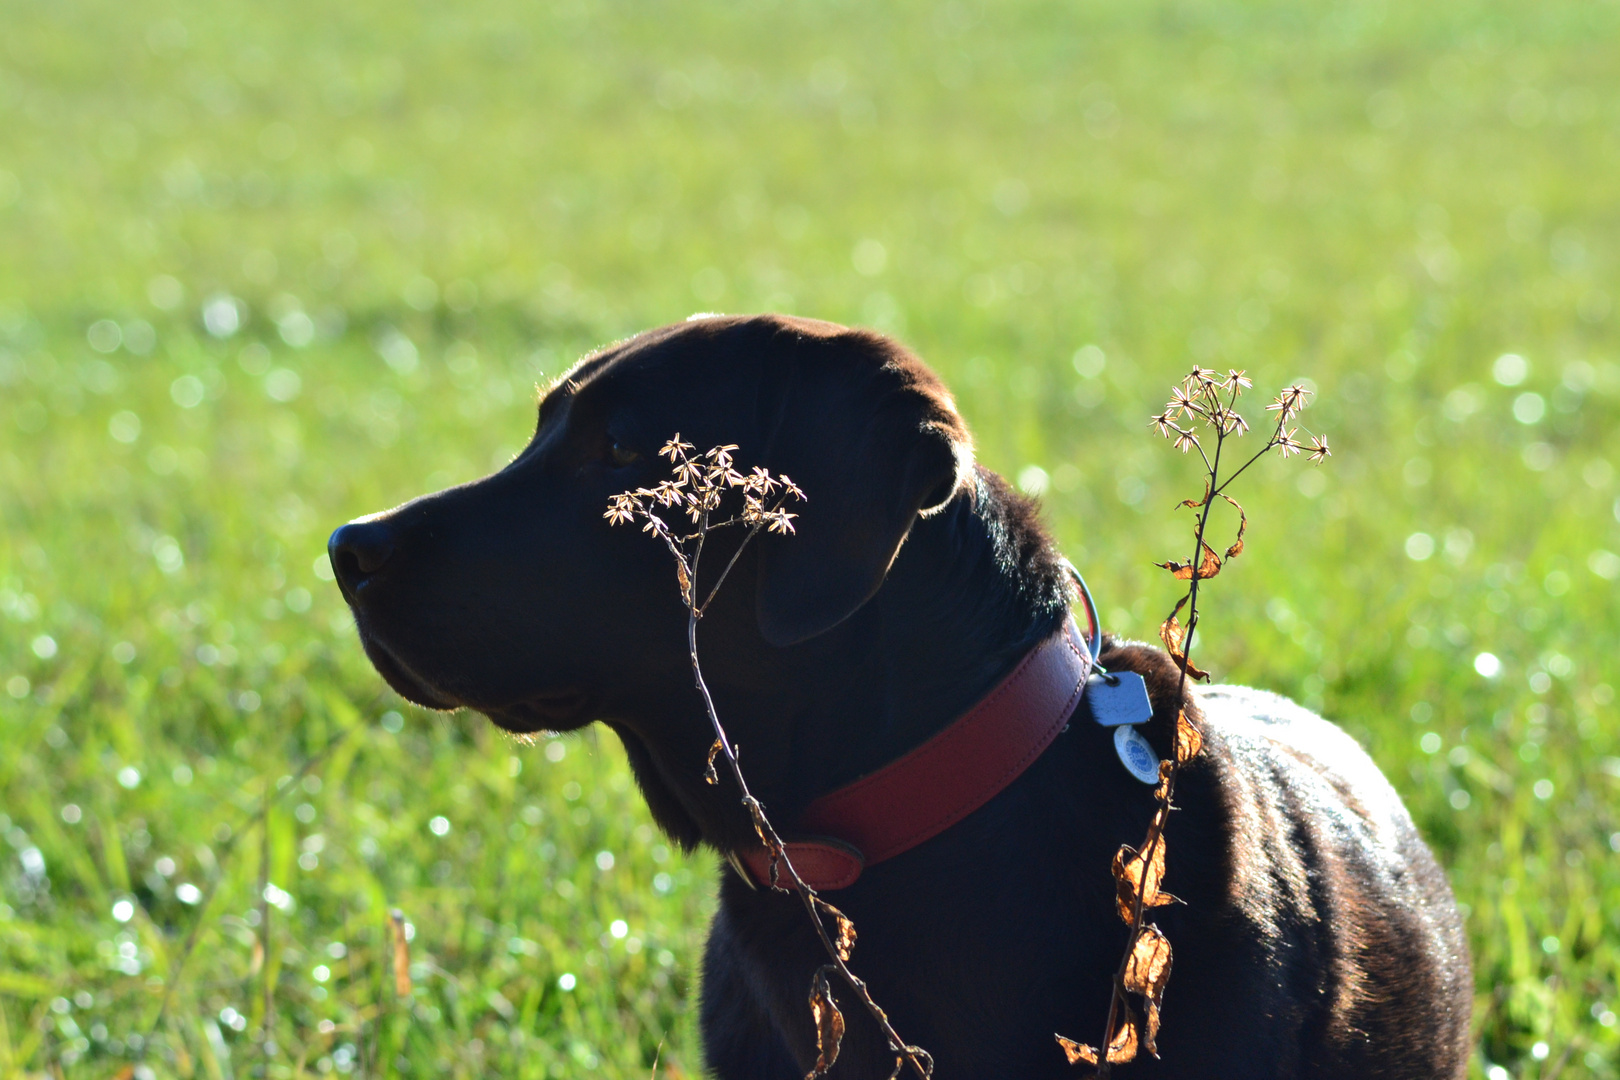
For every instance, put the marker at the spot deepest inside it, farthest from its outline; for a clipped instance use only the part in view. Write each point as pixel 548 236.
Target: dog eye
pixel 621 455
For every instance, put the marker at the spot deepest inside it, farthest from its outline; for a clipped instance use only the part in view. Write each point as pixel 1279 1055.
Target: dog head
pixel 513 596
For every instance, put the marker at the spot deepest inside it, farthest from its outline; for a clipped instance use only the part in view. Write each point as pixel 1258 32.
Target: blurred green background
pixel 264 268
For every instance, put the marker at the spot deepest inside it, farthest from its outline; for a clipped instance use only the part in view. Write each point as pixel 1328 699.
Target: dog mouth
pixel 561 710
pixel 406 683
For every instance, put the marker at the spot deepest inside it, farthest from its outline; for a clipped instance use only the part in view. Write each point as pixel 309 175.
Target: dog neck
pixel 944 780
pixel 975 588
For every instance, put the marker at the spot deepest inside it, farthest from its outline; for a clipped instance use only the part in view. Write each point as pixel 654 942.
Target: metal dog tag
pixel 1136 755
pixel 1124 701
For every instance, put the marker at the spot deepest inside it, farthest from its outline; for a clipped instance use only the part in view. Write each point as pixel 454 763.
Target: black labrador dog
pixel 1318 938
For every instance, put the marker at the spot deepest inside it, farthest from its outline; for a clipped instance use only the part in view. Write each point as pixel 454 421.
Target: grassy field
pixel 264 268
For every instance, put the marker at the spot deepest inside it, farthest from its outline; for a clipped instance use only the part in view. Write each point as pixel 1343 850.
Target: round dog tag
pixel 1135 754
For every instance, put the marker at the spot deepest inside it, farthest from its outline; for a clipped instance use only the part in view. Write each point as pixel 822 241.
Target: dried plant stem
pixel 699 486
pixel 1209 399
pixel 918 1058
pixel 1116 1000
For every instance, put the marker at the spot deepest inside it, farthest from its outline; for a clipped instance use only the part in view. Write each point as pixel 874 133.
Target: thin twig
pixel 700 499
pixel 781 858
pixel 1199 397
pixel 735 555
pixel 1117 998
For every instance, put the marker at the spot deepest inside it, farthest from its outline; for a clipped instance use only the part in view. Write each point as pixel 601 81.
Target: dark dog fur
pixel 1318 938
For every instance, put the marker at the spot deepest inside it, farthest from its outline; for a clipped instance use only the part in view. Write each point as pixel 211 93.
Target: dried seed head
pixel 675 449
pixel 1290 401
pixel 1180 402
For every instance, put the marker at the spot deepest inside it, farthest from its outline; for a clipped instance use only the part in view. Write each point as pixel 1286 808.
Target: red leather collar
pixel 931 788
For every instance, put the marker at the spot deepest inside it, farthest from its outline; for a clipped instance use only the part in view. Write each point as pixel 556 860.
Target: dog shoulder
pixel 1323 850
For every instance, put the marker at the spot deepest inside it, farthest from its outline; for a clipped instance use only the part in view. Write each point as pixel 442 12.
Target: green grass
pixel 1381 198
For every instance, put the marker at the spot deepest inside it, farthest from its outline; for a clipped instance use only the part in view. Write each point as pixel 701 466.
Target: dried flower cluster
pixel 1199 399
pixel 1204 399
pixel 700 487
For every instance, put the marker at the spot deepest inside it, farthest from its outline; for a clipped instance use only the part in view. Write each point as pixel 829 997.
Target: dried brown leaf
pixel 844 939
pixel 1137 874
pixel 1121 1048
pixel 1147 972
pixel 1243 525
pixel 1194 504
pixel 1208 566
pixel 709 775
pixel 1188 739
pixel 829 1023
pixel 1148 969
pixel 1077 1052
pixel 1193 670
pixel 1171 631
pixel 1174 636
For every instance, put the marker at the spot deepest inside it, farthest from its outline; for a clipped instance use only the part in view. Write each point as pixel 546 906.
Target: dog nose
pixel 358 550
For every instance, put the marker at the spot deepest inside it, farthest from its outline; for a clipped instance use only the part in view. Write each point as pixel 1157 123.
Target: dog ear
pixel 873 439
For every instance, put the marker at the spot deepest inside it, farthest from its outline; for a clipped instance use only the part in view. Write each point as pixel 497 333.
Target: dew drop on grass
pixel 124 427
pixel 283 384
pixel 1033 480
pixel 165 292
pixel 187 391
pixel 1529 408
pixel 104 336
pixel 1510 369
pixel 222 316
